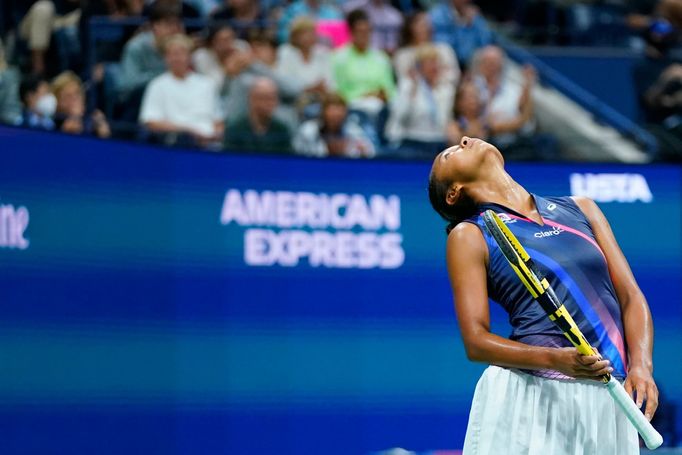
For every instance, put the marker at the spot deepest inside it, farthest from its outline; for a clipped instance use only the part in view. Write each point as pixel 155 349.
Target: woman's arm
pixel 467 256
pixel 639 331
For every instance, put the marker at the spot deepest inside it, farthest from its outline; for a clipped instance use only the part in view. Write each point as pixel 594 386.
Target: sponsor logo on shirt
pixel 551 206
pixel 506 219
pixel 555 231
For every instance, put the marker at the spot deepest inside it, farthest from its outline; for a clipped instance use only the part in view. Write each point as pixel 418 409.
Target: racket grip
pixel 651 437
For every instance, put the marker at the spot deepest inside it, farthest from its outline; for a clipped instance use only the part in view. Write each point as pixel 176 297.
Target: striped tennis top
pixel 565 250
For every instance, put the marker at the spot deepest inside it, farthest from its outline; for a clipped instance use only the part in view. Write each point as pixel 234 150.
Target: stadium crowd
pixel 351 78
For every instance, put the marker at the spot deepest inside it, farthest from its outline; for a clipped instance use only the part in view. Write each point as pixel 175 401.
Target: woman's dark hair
pixel 355 16
pixel 463 208
pixel 406 30
pixel 214 28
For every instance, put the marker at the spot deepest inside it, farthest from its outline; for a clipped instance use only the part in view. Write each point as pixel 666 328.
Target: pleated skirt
pixel 514 413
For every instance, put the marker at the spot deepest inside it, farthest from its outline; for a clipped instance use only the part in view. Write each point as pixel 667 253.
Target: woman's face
pixel 70 100
pixel 468 101
pixel 421 29
pixel 334 115
pixel 466 162
pixel 305 39
pixel 223 41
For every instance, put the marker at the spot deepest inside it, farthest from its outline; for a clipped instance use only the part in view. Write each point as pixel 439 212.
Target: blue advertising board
pixel 170 301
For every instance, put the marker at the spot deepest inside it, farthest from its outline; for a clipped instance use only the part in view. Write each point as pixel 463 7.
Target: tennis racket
pixel 542 292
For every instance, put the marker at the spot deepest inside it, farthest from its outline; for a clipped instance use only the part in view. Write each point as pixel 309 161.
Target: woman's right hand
pixel 571 363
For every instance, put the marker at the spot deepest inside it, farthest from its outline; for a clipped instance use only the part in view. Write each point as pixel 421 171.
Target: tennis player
pixel 539 396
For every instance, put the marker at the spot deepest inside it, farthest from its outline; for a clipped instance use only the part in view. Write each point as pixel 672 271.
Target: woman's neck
pixel 500 188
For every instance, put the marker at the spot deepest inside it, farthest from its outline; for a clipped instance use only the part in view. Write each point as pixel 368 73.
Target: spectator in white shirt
pixel 213 59
pixel 418 32
pixel 421 111
pixel 303 60
pixel 181 103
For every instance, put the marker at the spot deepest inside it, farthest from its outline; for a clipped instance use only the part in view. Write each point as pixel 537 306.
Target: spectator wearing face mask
pixel 40 104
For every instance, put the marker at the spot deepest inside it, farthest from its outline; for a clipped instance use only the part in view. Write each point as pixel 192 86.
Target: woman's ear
pixel 452 194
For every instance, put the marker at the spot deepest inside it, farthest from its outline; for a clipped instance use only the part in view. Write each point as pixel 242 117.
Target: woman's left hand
pixel 641 382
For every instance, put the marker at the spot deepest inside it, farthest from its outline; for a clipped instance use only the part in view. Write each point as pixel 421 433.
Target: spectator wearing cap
pixel 315 9
pixel 71 116
pixel 421 111
pixel 143 58
pixel 213 60
pixel 460 24
pixel 259 129
pixel 363 75
pixel 180 105
pixel 10 106
pixel 334 134
pixel 42 18
pixel 40 104
pixel 304 61
pixel 386 22
pixel 417 33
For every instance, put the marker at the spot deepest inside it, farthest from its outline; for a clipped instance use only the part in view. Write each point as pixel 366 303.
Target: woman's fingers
pixel 588 359
pixel 651 401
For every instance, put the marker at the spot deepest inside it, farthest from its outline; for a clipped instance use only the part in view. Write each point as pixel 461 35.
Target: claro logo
pixel 555 231
pixel 611 187
pixel 13 225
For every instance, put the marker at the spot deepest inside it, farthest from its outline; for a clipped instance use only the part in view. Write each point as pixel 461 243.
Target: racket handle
pixel 651 437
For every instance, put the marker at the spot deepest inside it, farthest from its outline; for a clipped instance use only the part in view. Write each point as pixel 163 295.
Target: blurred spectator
pixel 259 129
pixel 316 9
pixel 205 7
pixel 245 67
pixel 70 116
pixel 213 59
pixel 363 76
pixel 185 9
pixel 334 134
pixel 181 106
pixel 10 106
pixel 459 24
pixel 504 101
pixel 305 61
pixel 658 81
pixel 40 104
pixel 652 72
pixel 468 119
pixel 142 57
pixel 42 18
pixel 420 113
pixel 242 14
pixel 417 32
pixel 385 19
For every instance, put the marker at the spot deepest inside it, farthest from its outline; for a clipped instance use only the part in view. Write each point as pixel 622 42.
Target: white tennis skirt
pixel 514 413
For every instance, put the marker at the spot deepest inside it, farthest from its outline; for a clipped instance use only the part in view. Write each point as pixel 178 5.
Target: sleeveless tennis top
pixel 566 252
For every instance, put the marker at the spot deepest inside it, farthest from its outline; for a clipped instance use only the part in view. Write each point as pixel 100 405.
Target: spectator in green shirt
pixel 259 129
pixel 363 76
